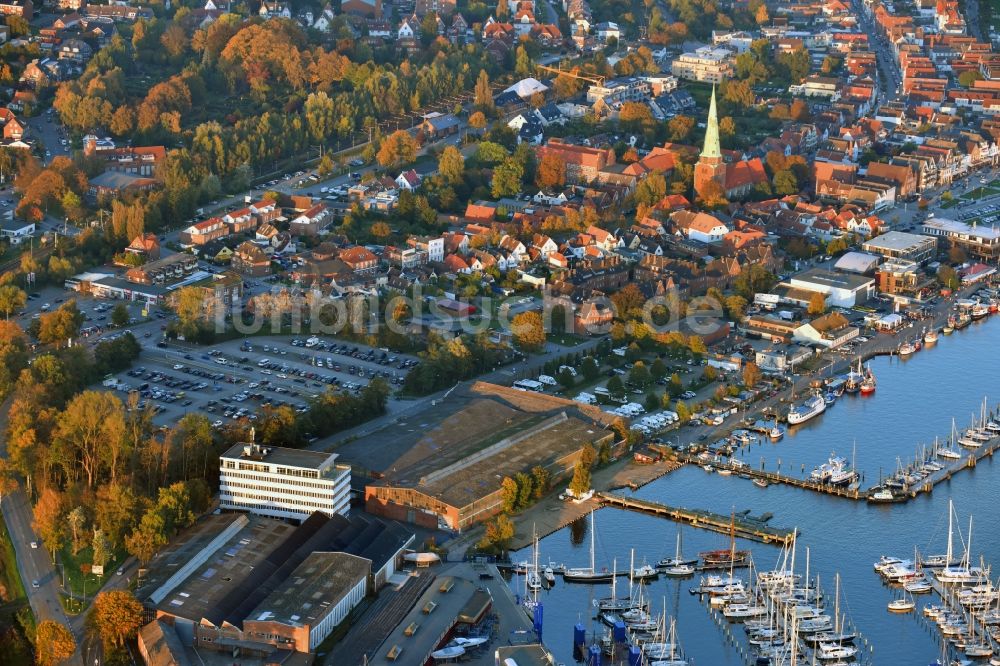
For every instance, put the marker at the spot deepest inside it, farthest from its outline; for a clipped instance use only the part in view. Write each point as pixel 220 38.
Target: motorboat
pixel 853 379
pixel 917 587
pixel 679 571
pixel 549 575
pixel 930 337
pixel 838 651
pixel 760 483
pixel 979 311
pixel 881 496
pixel 645 572
pixel 446 653
pixel 834 471
pixel 776 433
pixel 811 407
pixel 905 349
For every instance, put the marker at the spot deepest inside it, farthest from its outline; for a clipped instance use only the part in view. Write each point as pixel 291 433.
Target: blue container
pixel 538 621
pixel 619 632
pixel 634 655
pixel 594 656
pixel 579 634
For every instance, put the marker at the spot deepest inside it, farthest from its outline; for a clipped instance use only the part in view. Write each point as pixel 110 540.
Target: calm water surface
pixel 916 399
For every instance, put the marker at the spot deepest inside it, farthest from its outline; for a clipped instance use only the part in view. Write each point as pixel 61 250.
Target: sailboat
pixel 728 557
pixel 678 566
pixel 946 451
pixel 962 573
pixel 902 605
pixel 589 574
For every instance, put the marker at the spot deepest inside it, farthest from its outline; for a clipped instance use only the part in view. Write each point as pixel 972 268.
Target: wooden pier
pixel 739 525
pixel 774 477
pixel 970 458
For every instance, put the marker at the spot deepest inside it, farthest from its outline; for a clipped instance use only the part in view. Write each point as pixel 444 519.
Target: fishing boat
pixel 853 379
pixel 868 383
pixel 949 326
pixel 589 574
pixel 813 406
pixel 962 321
pixel 760 483
pixel 905 349
pixel 776 433
pixel 930 337
pixel 979 311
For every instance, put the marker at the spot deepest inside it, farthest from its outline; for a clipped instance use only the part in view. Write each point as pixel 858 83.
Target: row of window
pixel 238 487
pixel 232 501
pixel 273 482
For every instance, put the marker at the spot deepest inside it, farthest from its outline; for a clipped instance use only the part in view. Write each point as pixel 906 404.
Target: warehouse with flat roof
pixel 901 245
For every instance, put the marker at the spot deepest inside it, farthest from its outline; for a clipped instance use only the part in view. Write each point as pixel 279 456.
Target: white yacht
pixel 810 407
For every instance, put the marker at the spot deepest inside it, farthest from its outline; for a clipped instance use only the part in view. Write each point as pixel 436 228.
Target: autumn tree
pixel 817 303
pixel 451 165
pixel 398 148
pixel 102 548
pixel 482 96
pixel 92 427
pixel 477 120
pixel 751 375
pixel 679 128
pixel 117 617
pixel 712 195
pixel 551 172
pixel 12 299
pixel 49 521
pixel 507 178
pixel 60 326
pixel 54 643
pixel 528 331
pixel 499 533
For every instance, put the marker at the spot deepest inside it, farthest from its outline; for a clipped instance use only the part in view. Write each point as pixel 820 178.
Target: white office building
pixel 283 483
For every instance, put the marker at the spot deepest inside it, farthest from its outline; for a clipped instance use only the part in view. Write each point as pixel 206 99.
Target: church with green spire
pixel 735 178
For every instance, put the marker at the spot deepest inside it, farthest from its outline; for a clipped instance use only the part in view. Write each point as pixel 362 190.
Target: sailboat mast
pixel 592 529
pixel 949 551
pixel 836 603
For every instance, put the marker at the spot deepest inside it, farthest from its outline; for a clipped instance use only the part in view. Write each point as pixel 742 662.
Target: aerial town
pixel 540 332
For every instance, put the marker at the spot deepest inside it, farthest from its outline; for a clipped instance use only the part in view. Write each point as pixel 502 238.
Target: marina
pixel 930 388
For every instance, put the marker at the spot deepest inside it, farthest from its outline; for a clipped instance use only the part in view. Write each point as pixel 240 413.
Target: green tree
pixel 120 315
pixel 507 178
pixel 658 370
pixel 652 401
pixel 590 368
pixel 639 375
pixel 542 480
pixel 102 548
pixel 682 411
pixel 615 387
pixel 525 489
pixel 566 378
pixel 581 478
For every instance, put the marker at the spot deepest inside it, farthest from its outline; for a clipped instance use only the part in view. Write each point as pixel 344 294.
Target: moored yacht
pixel 812 406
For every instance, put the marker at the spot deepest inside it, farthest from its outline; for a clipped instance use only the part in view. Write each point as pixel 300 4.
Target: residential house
pixel 359 259
pixel 146 246
pixel 13 129
pixel 699 226
pixel 15 231
pixel 76 51
pixel 250 259
pixel 311 222
pixel 204 232
pixel 408 180
pixel 437 125
pixel 23 8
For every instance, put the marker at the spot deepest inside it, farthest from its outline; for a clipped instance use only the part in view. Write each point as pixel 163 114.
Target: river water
pixel 916 399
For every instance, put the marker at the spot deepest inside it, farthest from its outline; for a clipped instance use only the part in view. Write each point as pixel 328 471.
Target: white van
pixel 548 381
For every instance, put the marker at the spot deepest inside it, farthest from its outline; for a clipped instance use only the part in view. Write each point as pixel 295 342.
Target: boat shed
pixel 861 263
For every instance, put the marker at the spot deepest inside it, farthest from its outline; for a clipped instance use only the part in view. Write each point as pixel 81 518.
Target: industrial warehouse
pixel 455 454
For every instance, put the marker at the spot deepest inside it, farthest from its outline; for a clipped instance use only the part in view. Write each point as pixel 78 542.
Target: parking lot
pixel 234 379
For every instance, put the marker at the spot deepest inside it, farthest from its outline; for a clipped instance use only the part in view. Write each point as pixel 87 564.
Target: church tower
pixel 710 164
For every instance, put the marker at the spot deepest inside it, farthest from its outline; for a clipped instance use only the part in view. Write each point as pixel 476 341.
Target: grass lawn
pixel 565 339
pixel 15 615
pixel 979 193
pixel 80 584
